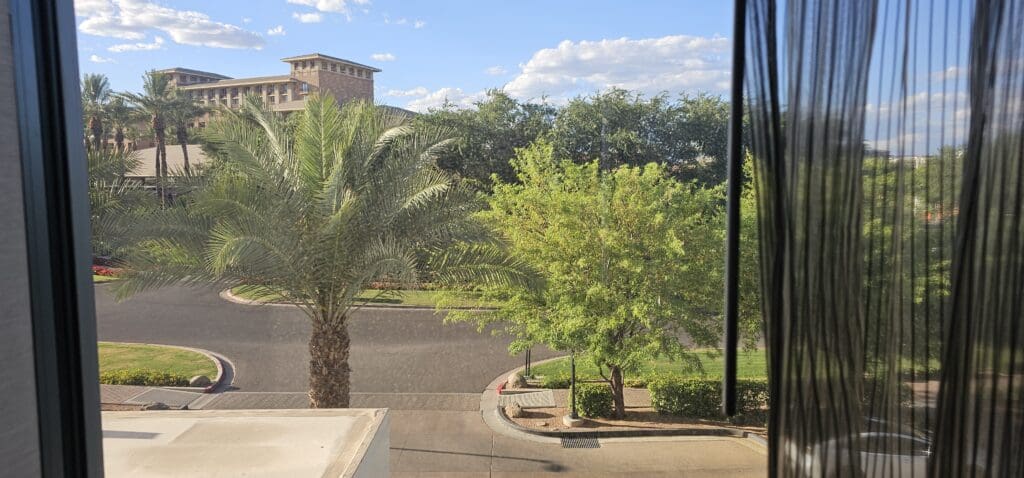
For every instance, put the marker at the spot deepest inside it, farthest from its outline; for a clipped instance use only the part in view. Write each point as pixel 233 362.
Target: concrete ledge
pixel 211 443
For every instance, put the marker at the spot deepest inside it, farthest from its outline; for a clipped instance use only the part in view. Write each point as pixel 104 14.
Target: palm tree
pixel 121 116
pixel 181 113
pixel 156 99
pixel 352 197
pixel 95 95
pixel 114 202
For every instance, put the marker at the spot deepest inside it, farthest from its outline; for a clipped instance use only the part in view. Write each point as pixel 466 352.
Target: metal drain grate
pixel 580 442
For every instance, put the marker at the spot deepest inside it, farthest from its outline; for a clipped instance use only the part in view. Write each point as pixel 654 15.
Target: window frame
pixel 44 49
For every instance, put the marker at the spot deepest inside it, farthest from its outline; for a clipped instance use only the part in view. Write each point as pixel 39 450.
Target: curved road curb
pixel 498 422
pixel 229 296
pixel 225 369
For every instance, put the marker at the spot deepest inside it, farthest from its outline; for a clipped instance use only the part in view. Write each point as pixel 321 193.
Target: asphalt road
pixel 393 350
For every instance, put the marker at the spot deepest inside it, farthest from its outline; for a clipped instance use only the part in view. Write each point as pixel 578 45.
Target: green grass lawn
pixel 399 298
pixel 101 279
pixel 751 364
pixel 117 356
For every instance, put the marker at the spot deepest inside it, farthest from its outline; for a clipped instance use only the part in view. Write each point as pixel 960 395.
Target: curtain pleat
pixel 887 139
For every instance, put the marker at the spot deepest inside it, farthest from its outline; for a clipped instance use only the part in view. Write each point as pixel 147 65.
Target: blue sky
pixel 429 51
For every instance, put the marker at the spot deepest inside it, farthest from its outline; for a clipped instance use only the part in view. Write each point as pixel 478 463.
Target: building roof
pixel 175 160
pixel 240 81
pixel 193 72
pixel 316 56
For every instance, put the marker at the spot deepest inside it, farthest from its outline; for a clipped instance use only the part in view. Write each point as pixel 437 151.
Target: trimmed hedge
pixel 701 398
pixel 143 377
pixel 592 400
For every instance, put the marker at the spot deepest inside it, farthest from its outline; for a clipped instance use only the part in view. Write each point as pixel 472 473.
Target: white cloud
pixel 918 123
pixel 308 17
pixel 246 20
pixel 383 57
pixel 419 24
pixel 158 44
pixel 278 30
pixel 418 91
pixel 331 6
pixel 950 73
pixel 496 70
pixel 100 59
pixel 442 97
pixel 133 19
pixel 676 63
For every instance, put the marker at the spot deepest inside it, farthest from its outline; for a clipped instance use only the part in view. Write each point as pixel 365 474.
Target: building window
pixel 234 92
pixel 192 79
pixel 259 90
pixel 323 65
pixel 349 70
pixel 284 98
pixel 223 92
pixel 334 67
pixel 305 87
pixel 272 100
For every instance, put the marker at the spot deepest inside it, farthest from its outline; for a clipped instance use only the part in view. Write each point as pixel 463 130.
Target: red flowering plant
pixel 106 271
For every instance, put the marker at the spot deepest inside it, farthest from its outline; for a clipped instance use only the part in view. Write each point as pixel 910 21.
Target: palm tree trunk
pixel 183 140
pixel 328 364
pixel 96 126
pixel 119 139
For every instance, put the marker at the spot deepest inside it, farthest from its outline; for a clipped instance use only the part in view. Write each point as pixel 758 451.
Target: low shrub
pixel 701 398
pixel 904 393
pixel 143 377
pixel 555 381
pixel 695 397
pixel 593 400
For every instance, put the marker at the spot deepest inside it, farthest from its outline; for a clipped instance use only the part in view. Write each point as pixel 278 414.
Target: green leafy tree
pixel 619 127
pixel 489 134
pixel 96 94
pixel 350 198
pixel 629 261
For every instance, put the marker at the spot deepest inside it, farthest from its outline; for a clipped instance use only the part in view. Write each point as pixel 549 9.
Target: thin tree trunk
pixel 328 364
pixel 617 392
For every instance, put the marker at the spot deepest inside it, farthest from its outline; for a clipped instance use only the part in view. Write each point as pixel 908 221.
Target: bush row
pixel 136 376
pixel 701 398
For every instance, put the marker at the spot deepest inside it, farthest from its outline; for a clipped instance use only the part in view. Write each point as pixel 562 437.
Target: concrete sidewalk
pixel 459 444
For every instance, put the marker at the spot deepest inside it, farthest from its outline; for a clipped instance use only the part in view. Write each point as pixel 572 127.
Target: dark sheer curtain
pixel 887 139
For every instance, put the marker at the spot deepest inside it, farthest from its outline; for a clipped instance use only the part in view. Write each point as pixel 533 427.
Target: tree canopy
pixel 629 260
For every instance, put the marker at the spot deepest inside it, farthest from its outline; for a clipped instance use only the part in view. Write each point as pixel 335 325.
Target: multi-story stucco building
pixel 345 80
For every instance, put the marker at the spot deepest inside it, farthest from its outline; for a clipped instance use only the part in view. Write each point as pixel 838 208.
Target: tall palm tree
pixel 352 197
pixel 95 95
pixel 180 114
pixel 156 99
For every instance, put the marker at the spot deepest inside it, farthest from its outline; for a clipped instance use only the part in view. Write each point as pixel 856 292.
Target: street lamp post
pixel 572 379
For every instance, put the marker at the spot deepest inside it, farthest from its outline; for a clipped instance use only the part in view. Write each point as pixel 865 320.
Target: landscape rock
pixel 513 410
pixel 515 381
pixel 199 381
pixel 155 406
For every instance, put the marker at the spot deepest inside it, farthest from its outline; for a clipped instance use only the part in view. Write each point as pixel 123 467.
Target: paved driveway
pixel 393 350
